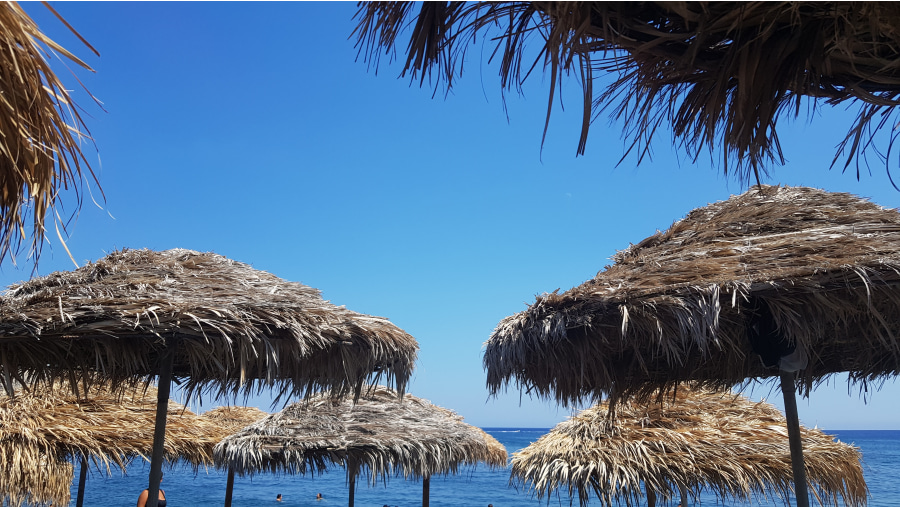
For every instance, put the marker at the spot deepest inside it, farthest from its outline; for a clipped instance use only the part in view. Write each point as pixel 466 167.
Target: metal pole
pixel 82 477
pixel 352 488
pixel 229 487
pixel 793 426
pixel 159 431
pixel 426 490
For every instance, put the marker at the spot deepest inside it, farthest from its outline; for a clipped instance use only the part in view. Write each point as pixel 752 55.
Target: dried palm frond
pixel 109 428
pixel 720 75
pixel 42 131
pixel 43 429
pixel 721 442
pixel 678 305
pixel 232 328
pixel 31 476
pixel 230 418
pixel 381 434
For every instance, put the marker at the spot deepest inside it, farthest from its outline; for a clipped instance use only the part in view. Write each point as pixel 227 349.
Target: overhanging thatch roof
pixel 109 428
pixel 231 326
pixel 380 434
pixel 718 74
pixel 29 476
pixel 723 443
pixel 42 429
pixel 677 305
pixel 40 150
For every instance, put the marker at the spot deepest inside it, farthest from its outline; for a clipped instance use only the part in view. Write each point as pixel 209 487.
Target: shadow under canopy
pixel 808 278
pixel 218 324
pixel 381 433
pixel 687 441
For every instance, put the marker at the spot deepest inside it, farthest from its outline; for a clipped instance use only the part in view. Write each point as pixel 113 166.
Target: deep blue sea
pixel 476 486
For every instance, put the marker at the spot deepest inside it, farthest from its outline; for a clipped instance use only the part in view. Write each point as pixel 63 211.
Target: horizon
pixel 251 130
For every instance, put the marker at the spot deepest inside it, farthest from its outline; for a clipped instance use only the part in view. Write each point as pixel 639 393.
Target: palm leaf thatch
pixel 232 418
pixel 229 325
pixel 718 74
pixel 696 439
pixel 681 305
pixel 40 430
pixel 110 428
pixel 378 434
pixel 31 476
pixel 40 145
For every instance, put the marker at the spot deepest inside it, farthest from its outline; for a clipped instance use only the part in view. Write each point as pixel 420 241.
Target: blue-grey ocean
pixel 476 486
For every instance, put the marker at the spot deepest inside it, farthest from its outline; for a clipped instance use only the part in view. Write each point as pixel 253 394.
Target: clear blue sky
pixel 250 130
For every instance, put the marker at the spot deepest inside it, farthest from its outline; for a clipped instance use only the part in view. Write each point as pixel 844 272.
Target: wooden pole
pixel 684 495
pixel 426 490
pixel 793 426
pixel 82 477
pixel 229 487
pixel 159 431
pixel 352 488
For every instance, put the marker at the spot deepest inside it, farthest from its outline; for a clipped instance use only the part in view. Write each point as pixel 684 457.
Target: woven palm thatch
pixel 379 435
pixel 716 73
pixel 40 150
pixel 678 305
pixel 230 326
pixel 721 442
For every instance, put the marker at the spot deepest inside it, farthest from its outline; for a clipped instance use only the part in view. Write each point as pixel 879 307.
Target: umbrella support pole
pixel 426 491
pixel 229 487
pixel 82 477
pixel 796 444
pixel 159 431
pixel 684 496
pixel 352 489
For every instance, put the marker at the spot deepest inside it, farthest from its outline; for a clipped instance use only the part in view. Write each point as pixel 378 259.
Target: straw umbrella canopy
pixel 41 429
pixel 30 472
pixel 40 149
pixel 694 440
pixel 233 418
pixel 230 419
pixel 378 435
pixel 218 323
pixel 718 74
pixel 778 281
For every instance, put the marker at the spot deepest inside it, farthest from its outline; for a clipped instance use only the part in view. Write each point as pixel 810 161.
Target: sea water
pixel 473 486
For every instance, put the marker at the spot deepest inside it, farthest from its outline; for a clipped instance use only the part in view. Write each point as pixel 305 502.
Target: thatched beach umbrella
pixel 378 435
pixel 233 418
pixel 219 324
pixel 104 427
pixel 230 419
pixel 30 474
pixel 718 74
pixel 695 440
pixel 804 279
pixel 42 130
